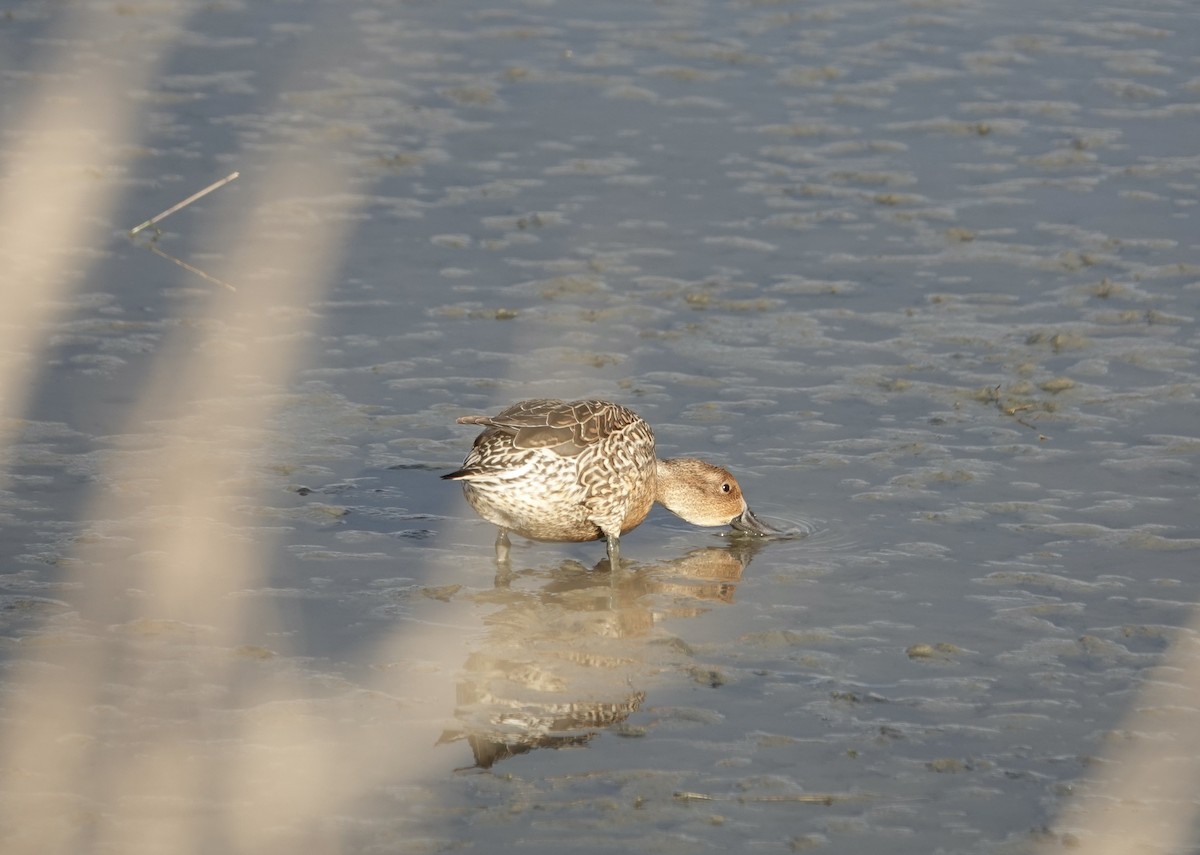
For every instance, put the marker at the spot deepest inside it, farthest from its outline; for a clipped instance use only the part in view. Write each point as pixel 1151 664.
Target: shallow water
pixel 924 276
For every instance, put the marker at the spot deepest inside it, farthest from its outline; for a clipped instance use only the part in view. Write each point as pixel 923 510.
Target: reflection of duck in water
pixel 707 574
pixel 586 470
pixel 560 662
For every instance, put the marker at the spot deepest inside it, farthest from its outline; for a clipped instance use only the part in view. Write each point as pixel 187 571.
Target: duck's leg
pixel 614 551
pixel 610 529
pixel 502 545
pixel 503 565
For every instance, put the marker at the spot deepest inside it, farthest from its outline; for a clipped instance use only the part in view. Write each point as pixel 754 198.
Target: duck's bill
pixel 746 521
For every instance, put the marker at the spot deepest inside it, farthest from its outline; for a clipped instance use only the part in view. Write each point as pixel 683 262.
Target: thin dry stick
pixel 151 223
pixel 994 398
pixel 189 200
pixel 801 798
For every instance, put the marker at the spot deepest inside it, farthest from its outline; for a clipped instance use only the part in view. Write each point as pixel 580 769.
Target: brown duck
pixel 585 470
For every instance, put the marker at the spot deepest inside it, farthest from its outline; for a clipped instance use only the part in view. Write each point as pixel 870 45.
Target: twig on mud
pixel 802 798
pixel 162 215
pixel 152 223
pixel 993 396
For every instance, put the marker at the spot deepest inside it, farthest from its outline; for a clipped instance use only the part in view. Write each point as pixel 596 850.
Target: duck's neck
pixel 670 482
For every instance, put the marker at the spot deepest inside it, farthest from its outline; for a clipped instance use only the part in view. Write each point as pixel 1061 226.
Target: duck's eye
pixel 725 488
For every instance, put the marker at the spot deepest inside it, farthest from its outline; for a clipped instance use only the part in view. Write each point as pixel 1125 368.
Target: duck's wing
pixel 565 427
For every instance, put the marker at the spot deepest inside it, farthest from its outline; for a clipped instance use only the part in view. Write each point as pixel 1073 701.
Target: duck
pixel 574 471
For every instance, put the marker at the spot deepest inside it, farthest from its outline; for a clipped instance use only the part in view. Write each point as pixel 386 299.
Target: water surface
pixel 925 276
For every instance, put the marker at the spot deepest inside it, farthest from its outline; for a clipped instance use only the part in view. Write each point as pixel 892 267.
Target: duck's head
pixel 704 494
